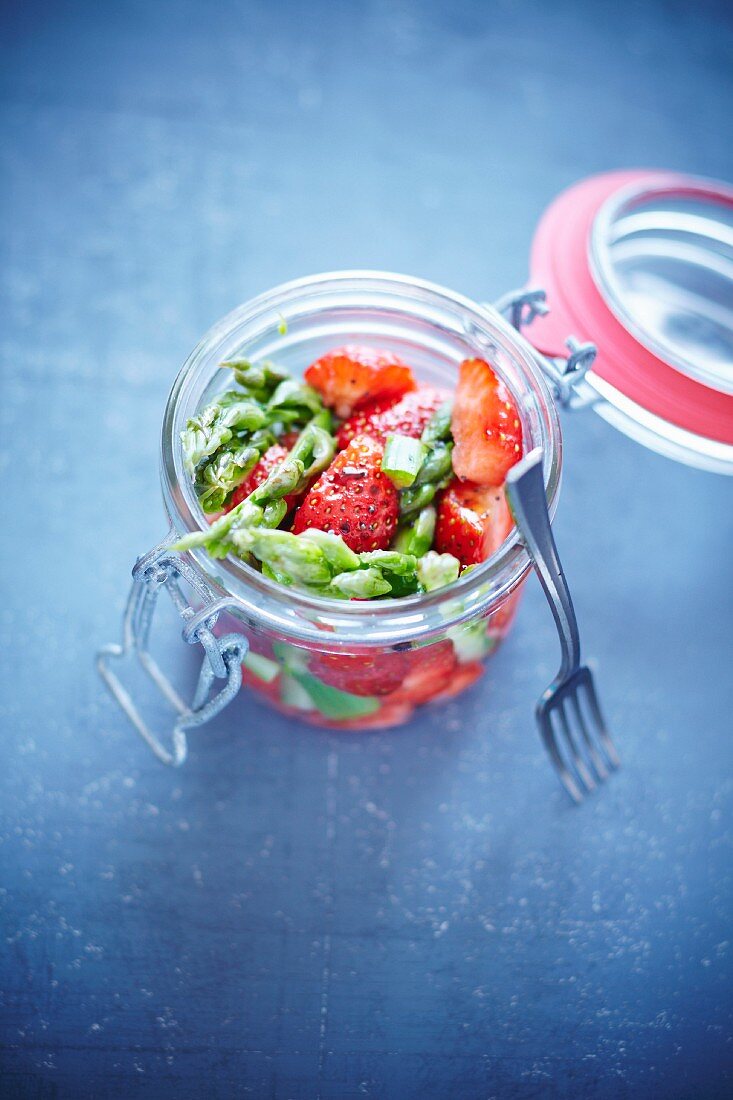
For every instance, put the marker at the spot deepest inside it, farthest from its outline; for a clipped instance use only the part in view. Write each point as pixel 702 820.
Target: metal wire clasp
pixel 520 307
pixel 162 569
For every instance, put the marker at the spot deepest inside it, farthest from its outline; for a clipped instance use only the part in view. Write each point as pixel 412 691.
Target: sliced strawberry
pixel 462 678
pixel 430 670
pixel 269 461
pixel 289 439
pixel 376 673
pixel 407 416
pixel 353 499
pixel 361 421
pixel 347 376
pixel 411 415
pixel 486 425
pixel 473 521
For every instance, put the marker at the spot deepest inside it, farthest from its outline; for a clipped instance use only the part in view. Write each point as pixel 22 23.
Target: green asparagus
pixel 265 507
pixel 435 470
pixel 226 440
pixel 216 426
pixel 417 536
pixel 436 570
pixel 402 459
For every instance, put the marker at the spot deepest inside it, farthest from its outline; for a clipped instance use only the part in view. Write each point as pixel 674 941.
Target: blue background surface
pixel 303 914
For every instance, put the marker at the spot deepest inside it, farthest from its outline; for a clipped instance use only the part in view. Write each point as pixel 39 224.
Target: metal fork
pixel 579 743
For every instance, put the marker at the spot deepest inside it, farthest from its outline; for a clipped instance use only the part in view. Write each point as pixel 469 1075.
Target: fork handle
pixel 525 490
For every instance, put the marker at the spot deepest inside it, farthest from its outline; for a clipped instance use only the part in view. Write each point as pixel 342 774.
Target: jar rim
pixel 299 615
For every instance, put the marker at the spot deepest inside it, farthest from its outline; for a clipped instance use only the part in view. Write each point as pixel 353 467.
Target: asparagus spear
pixel 361 584
pixel 436 570
pixel 417 537
pixel 215 427
pixel 260 380
pixel 438 427
pixel 436 469
pixel 402 459
pixel 265 507
pixel 215 442
pixel 293 399
pixel 216 479
pixel 322 562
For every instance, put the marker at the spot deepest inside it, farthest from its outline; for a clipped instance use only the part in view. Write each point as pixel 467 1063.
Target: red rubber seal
pixel 560 264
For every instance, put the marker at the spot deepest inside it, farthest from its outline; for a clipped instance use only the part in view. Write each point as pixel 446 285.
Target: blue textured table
pixel 417 914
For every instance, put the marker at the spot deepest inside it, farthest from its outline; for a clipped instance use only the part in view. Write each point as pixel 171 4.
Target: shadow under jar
pixel 359 664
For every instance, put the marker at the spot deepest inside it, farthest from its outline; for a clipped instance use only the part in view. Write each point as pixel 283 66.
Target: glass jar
pixel 348 664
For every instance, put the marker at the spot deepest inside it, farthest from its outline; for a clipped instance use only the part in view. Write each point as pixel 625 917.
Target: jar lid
pixel 641 263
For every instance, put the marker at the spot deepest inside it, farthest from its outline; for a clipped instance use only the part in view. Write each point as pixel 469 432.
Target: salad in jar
pixel 357 482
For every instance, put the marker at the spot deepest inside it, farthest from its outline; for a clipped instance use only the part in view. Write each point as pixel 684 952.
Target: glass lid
pixel 640 263
pixel 663 260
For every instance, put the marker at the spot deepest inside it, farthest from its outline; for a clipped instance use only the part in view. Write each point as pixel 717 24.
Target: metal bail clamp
pixel 161 568
pixel 520 307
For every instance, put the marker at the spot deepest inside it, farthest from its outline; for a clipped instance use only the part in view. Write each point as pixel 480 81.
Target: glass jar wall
pixel 362 664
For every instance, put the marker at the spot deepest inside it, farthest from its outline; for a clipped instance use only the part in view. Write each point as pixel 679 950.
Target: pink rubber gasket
pixel 560 264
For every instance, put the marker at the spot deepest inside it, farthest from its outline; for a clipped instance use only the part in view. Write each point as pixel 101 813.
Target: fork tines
pixel 575 733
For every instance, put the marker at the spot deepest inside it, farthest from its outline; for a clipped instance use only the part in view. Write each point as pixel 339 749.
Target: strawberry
pixel 407 416
pixel 361 421
pixel 463 677
pixel 270 459
pixel 472 522
pixel 289 439
pixel 353 498
pixel 347 376
pixel 486 425
pixel 430 669
pixel 371 673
